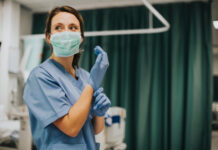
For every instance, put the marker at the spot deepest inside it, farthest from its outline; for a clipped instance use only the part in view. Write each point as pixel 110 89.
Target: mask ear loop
pixel 81 46
pixel 81 50
pixel 49 35
pixel 50 45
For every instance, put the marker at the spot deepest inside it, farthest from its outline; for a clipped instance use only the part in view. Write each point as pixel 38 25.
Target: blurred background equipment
pixel 215 116
pixel 114 133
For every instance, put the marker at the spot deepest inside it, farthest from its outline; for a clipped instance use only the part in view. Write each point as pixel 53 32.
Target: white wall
pixel 14 22
pixel 1 5
pixel 10 47
pixel 25 21
pixel 1 20
pixel 26 17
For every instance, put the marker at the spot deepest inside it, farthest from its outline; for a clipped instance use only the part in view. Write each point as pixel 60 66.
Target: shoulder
pixel 44 69
pixel 39 73
pixel 46 63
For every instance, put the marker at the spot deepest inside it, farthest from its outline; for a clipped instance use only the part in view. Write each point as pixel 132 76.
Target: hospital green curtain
pixel 163 80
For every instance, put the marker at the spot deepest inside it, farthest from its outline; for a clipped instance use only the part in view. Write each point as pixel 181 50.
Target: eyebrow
pixel 68 25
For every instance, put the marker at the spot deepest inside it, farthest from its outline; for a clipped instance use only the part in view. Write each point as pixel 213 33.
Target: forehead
pixel 64 18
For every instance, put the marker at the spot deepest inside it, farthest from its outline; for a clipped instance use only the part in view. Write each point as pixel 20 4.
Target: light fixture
pixel 215 24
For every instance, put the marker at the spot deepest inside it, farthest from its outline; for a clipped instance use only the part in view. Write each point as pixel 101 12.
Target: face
pixel 64 21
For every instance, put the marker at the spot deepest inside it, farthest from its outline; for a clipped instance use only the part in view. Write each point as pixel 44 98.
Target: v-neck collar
pixel 65 71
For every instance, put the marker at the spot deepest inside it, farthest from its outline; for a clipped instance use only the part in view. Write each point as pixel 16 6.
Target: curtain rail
pixel 149 30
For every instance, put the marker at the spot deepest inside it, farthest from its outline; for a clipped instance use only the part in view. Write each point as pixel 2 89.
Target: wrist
pixel 92 84
pixel 90 88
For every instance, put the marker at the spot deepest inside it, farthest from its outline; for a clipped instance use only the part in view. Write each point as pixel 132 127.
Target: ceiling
pixel 46 5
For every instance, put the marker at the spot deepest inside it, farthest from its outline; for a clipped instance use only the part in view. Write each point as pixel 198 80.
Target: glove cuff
pixel 92 84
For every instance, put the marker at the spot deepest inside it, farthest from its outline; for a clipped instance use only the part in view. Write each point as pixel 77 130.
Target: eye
pixel 58 28
pixel 73 28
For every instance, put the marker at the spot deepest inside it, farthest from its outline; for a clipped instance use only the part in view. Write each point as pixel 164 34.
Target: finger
pixel 98 50
pixel 105 58
pixel 100 103
pixel 106 103
pixel 99 97
pixel 100 90
pixel 99 58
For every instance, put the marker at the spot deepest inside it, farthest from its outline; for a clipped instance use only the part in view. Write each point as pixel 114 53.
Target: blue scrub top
pixel 49 93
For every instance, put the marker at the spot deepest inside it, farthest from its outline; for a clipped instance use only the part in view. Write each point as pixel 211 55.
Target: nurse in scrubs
pixel 66 103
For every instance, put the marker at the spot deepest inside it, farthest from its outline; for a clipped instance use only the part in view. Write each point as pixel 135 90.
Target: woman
pixel 66 105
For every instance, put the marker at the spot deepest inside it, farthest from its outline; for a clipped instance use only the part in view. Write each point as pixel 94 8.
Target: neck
pixel 66 62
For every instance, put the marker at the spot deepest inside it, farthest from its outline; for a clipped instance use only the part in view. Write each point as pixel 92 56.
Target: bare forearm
pixel 79 112
pixel 72 123
pixel 98 124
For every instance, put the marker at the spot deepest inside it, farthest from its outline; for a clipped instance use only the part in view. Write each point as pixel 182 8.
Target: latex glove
pixel 99 68
pixel 101 103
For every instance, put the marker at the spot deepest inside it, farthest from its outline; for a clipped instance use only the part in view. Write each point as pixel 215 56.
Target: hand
pixel 101 103
pixel 99 68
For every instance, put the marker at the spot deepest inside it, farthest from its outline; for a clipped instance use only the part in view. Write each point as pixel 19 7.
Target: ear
pixel 81 39
pixel 47 38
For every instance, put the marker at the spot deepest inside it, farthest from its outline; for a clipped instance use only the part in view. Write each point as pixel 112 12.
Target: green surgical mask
pixel 66 43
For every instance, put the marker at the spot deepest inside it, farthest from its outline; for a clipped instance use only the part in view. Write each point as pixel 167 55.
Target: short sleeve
pixel 44 97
